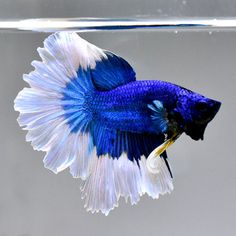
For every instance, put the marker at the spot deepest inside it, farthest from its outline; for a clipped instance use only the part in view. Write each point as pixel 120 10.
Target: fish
pixel 85 108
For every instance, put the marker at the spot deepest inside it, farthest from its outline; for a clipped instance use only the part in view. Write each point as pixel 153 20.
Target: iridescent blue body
pixel 126 107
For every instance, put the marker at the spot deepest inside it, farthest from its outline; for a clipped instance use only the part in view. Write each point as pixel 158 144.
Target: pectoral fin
pixel 159 116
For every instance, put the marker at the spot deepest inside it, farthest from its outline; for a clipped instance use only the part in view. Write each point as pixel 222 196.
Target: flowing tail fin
pixel 53 110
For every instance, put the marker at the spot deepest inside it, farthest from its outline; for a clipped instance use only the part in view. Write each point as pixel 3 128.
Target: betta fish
pixel 87 111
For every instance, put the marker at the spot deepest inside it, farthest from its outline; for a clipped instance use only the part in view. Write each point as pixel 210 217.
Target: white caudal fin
pixel 55 98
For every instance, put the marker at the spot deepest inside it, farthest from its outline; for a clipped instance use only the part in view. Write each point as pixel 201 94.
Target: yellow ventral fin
pixel 154 161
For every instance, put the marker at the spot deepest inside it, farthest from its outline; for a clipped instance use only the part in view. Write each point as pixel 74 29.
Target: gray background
pixel 35 202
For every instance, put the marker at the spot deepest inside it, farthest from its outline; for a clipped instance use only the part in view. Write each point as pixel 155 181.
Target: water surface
pixel 101 24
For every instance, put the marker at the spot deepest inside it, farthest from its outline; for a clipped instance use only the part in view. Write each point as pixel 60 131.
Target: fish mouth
pixel 197 129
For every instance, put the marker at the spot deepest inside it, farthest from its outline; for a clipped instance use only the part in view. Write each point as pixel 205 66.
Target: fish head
pixel 196 111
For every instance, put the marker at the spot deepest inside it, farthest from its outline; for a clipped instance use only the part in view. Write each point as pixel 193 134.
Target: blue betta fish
pixel 86 110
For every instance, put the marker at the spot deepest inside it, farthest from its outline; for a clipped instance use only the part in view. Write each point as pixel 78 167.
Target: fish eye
pixel 201 106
